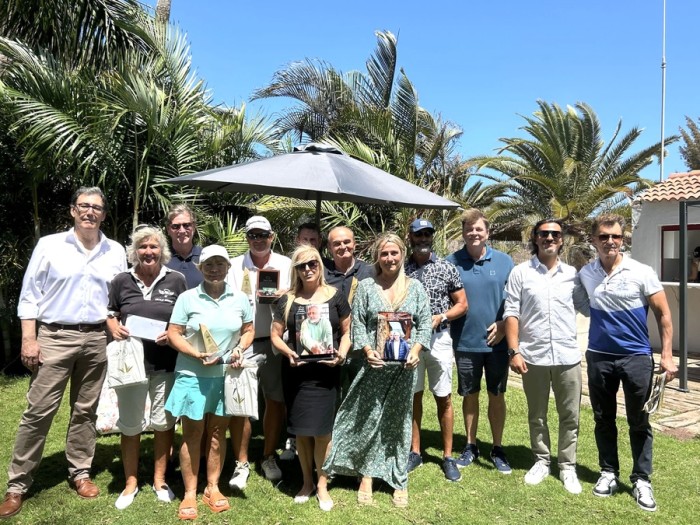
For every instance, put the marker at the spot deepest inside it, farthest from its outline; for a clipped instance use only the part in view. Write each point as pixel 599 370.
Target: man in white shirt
pixel 243 276
pixel 542 296
pixel 62 308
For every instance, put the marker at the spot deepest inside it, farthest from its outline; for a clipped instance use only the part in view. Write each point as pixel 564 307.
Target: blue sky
pixel 478 64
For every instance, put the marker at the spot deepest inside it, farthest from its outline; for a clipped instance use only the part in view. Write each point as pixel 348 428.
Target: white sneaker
pixel 239 480
pixel 607 485
pixel 290 450
pixel 570 480
pixel 271 470
pixel 644 495
pixel 537 474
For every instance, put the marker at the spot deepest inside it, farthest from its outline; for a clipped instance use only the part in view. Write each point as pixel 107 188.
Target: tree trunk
pixel 163 11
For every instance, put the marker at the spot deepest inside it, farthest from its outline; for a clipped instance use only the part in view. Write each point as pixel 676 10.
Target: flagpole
pixel 663 90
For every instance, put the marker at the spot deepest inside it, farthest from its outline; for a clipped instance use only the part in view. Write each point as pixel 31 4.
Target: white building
pixel 655 241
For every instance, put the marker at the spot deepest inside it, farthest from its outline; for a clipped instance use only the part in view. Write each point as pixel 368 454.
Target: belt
pixel 260 339
pixel 80 327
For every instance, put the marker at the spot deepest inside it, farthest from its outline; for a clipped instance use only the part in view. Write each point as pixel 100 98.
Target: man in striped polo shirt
pixel 620 291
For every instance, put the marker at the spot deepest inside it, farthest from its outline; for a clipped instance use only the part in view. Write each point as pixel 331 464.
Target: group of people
pixel 324 338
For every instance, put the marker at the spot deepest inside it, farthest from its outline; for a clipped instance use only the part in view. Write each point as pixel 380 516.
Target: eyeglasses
pixel 312 265
pixel 423 233
pixel 184 225
pixel 258 236
pixel 543 234
pixel 603 237
pixel 84 206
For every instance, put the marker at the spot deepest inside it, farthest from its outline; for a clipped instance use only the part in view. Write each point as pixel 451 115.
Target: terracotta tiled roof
pixel 678 187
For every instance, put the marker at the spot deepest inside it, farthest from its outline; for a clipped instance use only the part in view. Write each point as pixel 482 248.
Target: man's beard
pixel 422 249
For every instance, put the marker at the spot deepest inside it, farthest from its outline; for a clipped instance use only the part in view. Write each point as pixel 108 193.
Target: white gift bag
pixel 125 363
pixel 241 391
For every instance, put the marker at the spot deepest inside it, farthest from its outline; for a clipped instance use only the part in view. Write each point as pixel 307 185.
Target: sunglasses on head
pixel 312 265
pixel 183 225
pixel 603 237
pixel 258 236
pixel 543 234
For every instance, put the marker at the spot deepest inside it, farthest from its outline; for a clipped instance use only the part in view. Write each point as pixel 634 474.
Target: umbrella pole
pixel 318 212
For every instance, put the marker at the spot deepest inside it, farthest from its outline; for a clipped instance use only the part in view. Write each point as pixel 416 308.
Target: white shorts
pixel 438 362
pixel 132 405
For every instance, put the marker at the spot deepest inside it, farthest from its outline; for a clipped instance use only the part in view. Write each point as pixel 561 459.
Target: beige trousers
pixel 68 355
pixel 565 382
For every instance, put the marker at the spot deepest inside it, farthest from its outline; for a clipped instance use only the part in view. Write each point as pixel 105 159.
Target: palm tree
pixel 81 32
pixel 373 116
pixel 564 169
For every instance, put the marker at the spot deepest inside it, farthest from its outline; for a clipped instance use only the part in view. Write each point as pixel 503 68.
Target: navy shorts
pixel 471 367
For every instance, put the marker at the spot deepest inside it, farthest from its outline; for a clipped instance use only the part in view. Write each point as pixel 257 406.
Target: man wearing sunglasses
pixel 243 276
pixel 621 291
pixel 542 296
pixel 62 308
pixel 448 301
pixel 182 230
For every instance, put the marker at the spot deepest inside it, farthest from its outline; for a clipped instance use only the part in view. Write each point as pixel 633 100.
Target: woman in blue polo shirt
pixel 198 394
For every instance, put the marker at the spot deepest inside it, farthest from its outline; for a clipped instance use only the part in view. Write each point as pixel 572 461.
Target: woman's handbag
pixel 125 363
pixel 241 391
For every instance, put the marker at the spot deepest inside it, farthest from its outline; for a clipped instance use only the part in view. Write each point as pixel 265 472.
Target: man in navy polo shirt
pixel 620 291
pixel 478 338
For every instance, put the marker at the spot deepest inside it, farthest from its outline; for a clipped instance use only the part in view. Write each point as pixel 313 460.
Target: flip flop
pixel 187 509
pixel 216 501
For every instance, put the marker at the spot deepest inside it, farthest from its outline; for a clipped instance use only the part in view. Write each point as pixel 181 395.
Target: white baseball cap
pixel 257 222
pixel 215 250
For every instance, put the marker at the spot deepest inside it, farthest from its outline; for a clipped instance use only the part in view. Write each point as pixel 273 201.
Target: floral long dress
pixel 372 431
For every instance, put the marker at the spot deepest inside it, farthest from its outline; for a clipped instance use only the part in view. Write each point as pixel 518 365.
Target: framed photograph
pixel 393 335
pixel 314 333
pixel 268 286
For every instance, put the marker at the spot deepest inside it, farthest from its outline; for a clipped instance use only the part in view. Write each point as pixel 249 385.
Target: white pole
pixel 663 91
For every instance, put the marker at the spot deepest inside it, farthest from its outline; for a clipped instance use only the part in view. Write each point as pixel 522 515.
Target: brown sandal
pixel 216 501
pixel 187 509
pixel 400 499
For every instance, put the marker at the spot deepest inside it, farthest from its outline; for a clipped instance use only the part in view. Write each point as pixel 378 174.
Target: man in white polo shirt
pixel 62 308
pixel 243 276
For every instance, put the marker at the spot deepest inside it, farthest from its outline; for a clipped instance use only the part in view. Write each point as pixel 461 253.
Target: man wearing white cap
pixel 243 276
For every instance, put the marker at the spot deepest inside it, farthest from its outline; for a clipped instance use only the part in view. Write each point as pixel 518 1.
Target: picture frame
pixel 314 333
pixel 393 336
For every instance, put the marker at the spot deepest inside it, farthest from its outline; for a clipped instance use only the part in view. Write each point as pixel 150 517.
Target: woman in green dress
pixel 372 431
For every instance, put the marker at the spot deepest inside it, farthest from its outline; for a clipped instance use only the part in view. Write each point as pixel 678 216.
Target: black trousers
pixel 605 373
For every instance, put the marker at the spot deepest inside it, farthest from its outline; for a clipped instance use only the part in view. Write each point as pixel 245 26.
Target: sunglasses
pixel 603 237
pixel 84 206
pixel 423 233
pixel 257 236
pixel 543 234
pixel 312 265
pixel 183 225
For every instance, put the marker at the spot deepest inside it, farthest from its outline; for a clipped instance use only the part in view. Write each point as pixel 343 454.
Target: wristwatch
pixel 512 352
pixel 443 319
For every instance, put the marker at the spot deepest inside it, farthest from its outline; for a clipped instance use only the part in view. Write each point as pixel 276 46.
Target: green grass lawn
pixel 483 496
